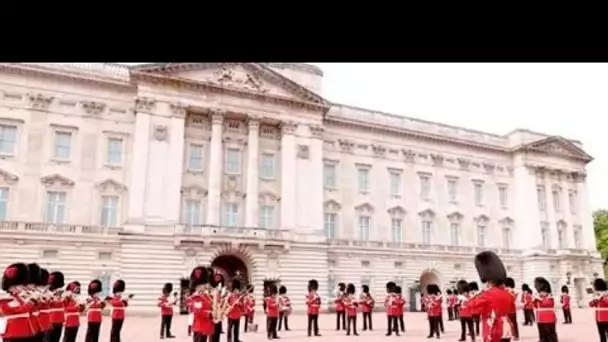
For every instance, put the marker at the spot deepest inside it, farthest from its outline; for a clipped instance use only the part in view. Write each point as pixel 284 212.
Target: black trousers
pixel 70 334
pixel 24 339
pixel 528 316
pixel 450 313
pixel 567 316
pixel 271 327
pixel 602 330
pixel 165 325
pixel 313 325
pixel 547 332
pixel 92 332
pixel 392 325
pixel 441 323
pixel 40 337
pixel 217 332
pixel 434 326
pixel 247 320
pixel 196 337
pixel 340 316
pixel 283 318
pixel 115 330
pixel 54 335
pixel 367 321
pixel 456 311
pixel 466 323
pixel 513 319
pixel 476 320
pixel 234 326
pixel 351 324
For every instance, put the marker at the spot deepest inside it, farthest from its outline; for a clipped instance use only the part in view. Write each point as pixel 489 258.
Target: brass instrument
pixel 600 295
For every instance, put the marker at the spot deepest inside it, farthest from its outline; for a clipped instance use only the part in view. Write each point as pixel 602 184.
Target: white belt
pixel 35 313
pixel 94 310
pixel 54 310
pixel 117 309
pixel 24 315
pixel 72 314
pixel 601 309
pixel 545 309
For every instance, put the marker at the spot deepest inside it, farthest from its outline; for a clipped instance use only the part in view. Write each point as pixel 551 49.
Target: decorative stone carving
pixel 346 145
pixel 437 159
pixel 482 219
pixel 464 163
pixel 217 117
pixel 409 155
pixel 253 122
pixel 303 152
pixel 488 167
pixel 455 217
pixel 365 208
pixel 317 132
pixel 110 183
pixel 144 104
pixel 579 176
pixel 8 177
pixel 161 132
pixel 506 221
pixel 288 127
pixel 40 101
pixel 510 170
pixel 56 179
pixel 396 211
pixel 427 214
pixel 379 150
pixel 178 109
pixel 332 206
pixel 93 108
pixel 228 77
pixel 268 197
pixel 193 191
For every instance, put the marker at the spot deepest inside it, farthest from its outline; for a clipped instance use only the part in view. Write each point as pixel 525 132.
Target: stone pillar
pixel 527 216
pixel 567 210
pixel 316 179
pixel 253 151
pixel 584 212
pixel 288 176
pixel 550 209
pixel 215 170
pixel 139 164
pixel 175 163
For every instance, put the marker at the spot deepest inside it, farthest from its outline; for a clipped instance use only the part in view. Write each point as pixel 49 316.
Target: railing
pixel 245 232
pixel 38 227
pixel 418 246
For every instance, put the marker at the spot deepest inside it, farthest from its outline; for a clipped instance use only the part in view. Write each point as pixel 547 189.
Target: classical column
pixel 139 165
pixel 527 215
pixel 175 163
pixel 584 212
pixel 288 176
pixel 251 218
pixel 550 209
pixel 316 179
pixel 215 169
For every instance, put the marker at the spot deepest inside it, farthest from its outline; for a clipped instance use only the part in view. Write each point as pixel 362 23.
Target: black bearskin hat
pixel 44 277
pixel 215 278
pixel 350 289
pixel 74 287
pixel 398 290
pixel 342 287
pixel 599 284
pixel 282 290
pixel 565 289
pixel 462 286
pixel 94 287
pixel 14 275
pixel 525 287
pixel 35 274
pixel 272 289
pixel 542 285
pixel 510 283
pixel 432 289
pixel 490 268
pixel 236 284
pixel 365 288
pixel 389 286
pixel 119 286
pixel 167 288
pixel 313 285
pixel 473 286
pixel 449 292
pixel 56 280
pixel 199 276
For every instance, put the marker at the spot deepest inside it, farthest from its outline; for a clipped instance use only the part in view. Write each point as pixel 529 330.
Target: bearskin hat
pixel 94 287
pixel 235 285
pixel 350 289
pixel 398 290
pixel 389 286
pixel 35 273
pixel 313 285
pixel 599 284
pixel 73 287
pixel 565 289
pixel 449 292
pixel 199 276
pixel 525 287
pixel 432 289
pixel 542 285
pixel 119 286
pixel 490 268
pixel 365 288
pixel 473 286
pixel 510 283
pixel 14 275
pixel 167 288
pixel 282 290
pixel 342 287
pixel 462 286
pixel 55 280
pixel 44 277
pixel 215 278
pixel 272 289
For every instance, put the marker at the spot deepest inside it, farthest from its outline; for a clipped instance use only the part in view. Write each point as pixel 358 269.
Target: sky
pixel 553 98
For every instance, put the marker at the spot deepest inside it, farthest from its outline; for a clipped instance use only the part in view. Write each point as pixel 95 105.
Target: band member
pixel 545 311
pixel 217 281
pixel 391 323
pixel 166 303
pixel 94 306
pixel 474 290
pixel 313 304
pixel 600 303
pixel 201 302
pixel 340 310
pixel 285 305
pixel 399 311
pixel 351 305
pixel 249 309
pixel 510 286
pixel 451 302
pixel 235 302
pixel 119 304
pixel 366 302
pixel 528 303
pixel 433 309
pixel 56 281
pixel 495 301
pixel 272 312
pixel 441 328
pixel 188 304
pixel 465 315
pixel 73 307
pixel 15 306
pixel 565 301
pixel 456 304
pixel 38 302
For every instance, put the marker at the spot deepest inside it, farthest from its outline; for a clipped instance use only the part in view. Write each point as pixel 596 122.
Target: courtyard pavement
pixel 147 329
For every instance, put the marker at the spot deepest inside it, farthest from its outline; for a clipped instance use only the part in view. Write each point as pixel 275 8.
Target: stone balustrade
pixel 50 228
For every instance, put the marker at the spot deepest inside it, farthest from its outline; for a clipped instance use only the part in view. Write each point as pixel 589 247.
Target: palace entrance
pixel 428 277
pixel 230 267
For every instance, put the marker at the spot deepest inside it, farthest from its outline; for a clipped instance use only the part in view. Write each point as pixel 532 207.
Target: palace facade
pixel 143 172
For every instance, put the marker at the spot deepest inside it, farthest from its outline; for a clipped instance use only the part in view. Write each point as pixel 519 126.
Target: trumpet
pixel 600 295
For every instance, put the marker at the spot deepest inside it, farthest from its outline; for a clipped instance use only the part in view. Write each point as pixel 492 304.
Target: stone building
pixel 142 172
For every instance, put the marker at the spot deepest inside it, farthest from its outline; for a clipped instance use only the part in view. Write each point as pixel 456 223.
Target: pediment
pixel 194 189
pixel 111 184
pixel 268 196
pixel 506 221
pixel 247 77
pixel 427 213
pixel 397 210
pixel 332 205
pixel 8 177
pixel 56 180
pixel 482 219
pixel 558 146
pixel 455 216
pixel 365 207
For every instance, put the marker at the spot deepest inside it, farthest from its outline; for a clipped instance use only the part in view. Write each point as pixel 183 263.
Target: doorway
pixel 231 267
pixel 184 292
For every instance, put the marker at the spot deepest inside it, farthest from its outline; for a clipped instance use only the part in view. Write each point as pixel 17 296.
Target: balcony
pixel 252 236
pixel 17 227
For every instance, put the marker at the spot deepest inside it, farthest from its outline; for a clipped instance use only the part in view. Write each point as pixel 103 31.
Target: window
pixel 425 187
pixel 561 236
pixel 545 235
pixel 542 198
pixel 503 196
pixel 231 214
pixel 8 139
pixel 363 180
pixel 329 176
pixel 233 161
pixel 267 216
pixel 109 211
pixel 106 285
pixel 481 236
pixel 506 238
pixel 195 157
pixel 3 203
pixel 114 151
pixel 452 190
pixel 192 213
pixel 364 227
pixel 50 253
pixel 455 233
pixel 395 180
pixel 55 207
pixel 397 230
pixel 578 235
pixel 556 200
pixel 572 201
pixel 478 194
pixel 426 232
pixel 267 166
pixel 63 145
pixel 330 225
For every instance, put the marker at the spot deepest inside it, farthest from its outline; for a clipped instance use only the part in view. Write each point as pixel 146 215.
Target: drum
pixel 252 327
pixel 288 310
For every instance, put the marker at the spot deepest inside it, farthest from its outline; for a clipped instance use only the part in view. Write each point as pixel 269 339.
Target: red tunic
pixel 94 308
pixel 236 302
pixel 18 321
pixel 351 305
pixel 366 302
pixel 451 301
pixel 119 305
pixel 285 303
pixel 388 304
pixel 272 306
pixel 434 305
pixel 565 300
pixel 166 307
pixel 339 301
pixel 44 316
pixel 398 304
pixel 464 309
pixel 56 310
pixel 202 306
pixel 72 312
pixel 545 309
pixel 600 303
pixel 249 306
pixel 513 308
pixel 313 303
pixel 526 298
pixel 493 304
